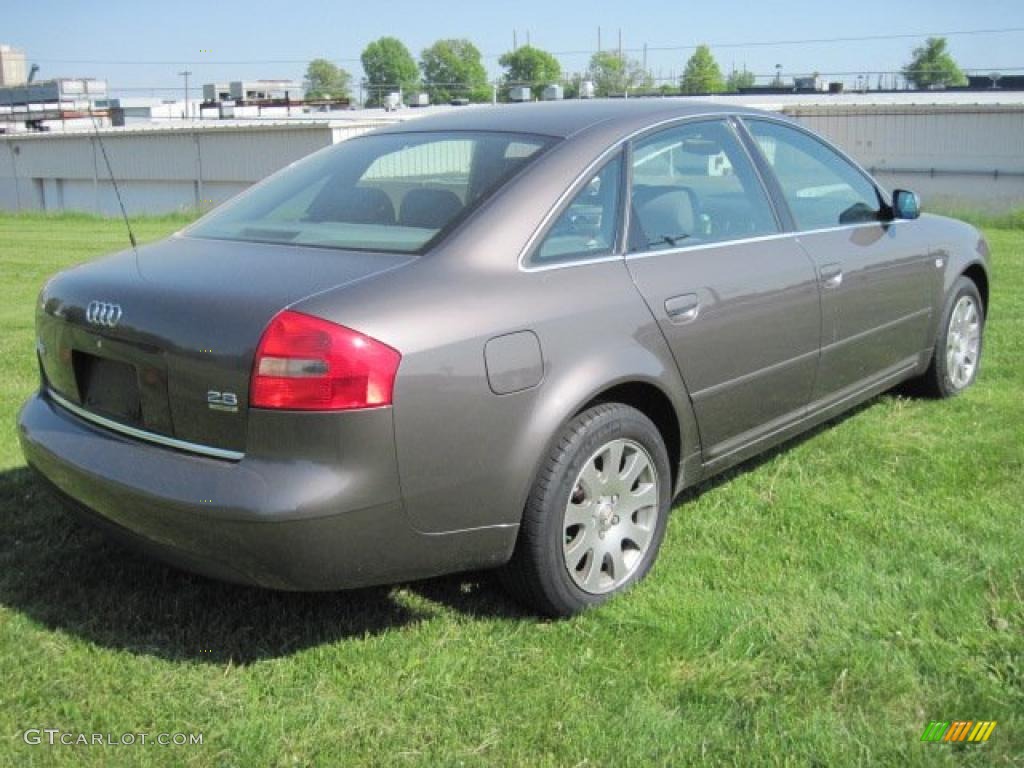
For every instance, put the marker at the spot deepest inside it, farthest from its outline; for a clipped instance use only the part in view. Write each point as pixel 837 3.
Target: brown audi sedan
pixel 497 337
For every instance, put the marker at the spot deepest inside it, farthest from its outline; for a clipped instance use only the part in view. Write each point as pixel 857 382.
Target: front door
pixel 876 274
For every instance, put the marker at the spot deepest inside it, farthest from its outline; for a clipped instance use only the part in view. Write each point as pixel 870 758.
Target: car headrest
pixel 665 211
pixel 357 205
pixel 428 208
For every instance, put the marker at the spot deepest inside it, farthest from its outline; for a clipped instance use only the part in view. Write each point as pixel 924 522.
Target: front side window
pixel 385 192
pixel 821 187
pixel 695 184
pixel 588 226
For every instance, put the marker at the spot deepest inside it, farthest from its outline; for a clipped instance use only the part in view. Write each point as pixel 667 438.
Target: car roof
pixel 564 118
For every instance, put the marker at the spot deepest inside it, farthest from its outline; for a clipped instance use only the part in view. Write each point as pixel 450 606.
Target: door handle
pixel 682 309
pixel 831 275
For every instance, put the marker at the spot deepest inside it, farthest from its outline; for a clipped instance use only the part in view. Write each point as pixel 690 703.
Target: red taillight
pixel 305 363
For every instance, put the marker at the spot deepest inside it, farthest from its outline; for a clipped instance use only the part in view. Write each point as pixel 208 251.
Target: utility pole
pixel 598 39
pixel 186 73
pixel 515 43
pixel 620 42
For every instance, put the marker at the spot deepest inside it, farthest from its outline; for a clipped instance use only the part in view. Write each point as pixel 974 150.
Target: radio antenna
pixel 117 190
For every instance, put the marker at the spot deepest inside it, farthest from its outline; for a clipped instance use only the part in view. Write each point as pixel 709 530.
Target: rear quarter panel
pixel 466 455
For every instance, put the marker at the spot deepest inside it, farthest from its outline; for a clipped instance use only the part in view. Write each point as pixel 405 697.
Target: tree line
pixel 453 68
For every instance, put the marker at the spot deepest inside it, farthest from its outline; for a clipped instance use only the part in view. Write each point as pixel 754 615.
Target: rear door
pixel 876 274
pixel 735 296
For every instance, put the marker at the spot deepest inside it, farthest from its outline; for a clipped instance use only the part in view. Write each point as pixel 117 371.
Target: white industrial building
pixel 961 148
pixel 148 110
pixel 186 167
pixel 254 90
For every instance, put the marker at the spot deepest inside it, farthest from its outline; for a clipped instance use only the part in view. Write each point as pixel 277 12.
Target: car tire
pixel 958 343
pixel 587 533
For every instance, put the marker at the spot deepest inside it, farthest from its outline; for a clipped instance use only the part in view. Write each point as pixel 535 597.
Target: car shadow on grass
pixel 68 576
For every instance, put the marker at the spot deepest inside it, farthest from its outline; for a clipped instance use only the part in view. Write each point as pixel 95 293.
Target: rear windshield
pixel 388 192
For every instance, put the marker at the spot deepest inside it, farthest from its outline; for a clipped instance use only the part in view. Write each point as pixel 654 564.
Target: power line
pixel 193 62
pixel 822 40
pixel 752 44
pixel 426 84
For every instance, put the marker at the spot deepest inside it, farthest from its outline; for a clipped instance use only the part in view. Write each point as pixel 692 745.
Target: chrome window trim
pixel 542 228
pixel 756 239
pixel 629 256
pixel 613 251
pixel 524 261
pixel 578 263
pixel 141 434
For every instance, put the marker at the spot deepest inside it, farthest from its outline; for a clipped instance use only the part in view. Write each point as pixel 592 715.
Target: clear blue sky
pixel 159 39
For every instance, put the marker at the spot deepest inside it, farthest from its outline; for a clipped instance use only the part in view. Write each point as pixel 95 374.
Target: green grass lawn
pixel 816 607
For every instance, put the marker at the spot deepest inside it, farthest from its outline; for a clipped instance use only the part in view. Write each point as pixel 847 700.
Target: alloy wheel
pixel 963 342
pixel 610 516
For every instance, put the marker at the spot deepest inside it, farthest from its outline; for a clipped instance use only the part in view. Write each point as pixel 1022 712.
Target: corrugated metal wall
pixel 947 139
pixel 954 156
pixel 157 170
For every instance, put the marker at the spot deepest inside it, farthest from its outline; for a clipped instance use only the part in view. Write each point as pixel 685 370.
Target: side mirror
pixel 905 204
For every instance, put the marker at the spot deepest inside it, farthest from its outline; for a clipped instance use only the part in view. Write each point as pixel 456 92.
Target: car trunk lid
pixel 164 342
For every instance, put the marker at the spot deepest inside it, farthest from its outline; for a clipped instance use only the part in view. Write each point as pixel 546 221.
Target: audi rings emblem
pixel 103 313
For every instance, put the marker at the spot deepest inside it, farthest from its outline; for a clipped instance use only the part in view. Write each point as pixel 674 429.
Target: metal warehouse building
pixel 971 155
pixel 158 169
pixel 949 150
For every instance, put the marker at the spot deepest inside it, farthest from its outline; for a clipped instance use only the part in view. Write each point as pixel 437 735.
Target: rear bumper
pixel 330 520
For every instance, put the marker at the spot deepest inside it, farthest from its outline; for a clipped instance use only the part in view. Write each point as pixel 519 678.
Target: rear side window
pixel 821 187
pixel 385 192
pixel 693 184
pixel 587 228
